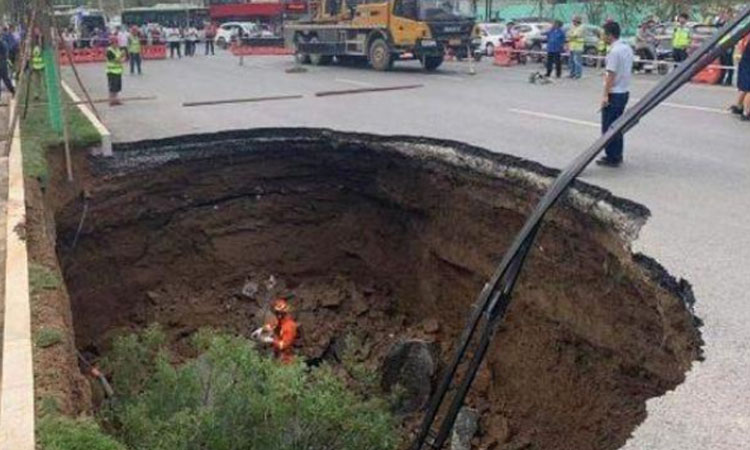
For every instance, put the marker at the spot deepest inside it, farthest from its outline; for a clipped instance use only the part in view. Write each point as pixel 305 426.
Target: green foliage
pixel 232 397
pixel 133 359
pixel 47 337
pixel 356 350
pixel 55 432
pixel 42 278
pixel 37 135
pixel 48 405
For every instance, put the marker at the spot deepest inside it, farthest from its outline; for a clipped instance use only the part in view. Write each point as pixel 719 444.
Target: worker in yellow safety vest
pixel 37 68
pixel 115 58
pixel 681 39
pixel 576 46
pixel 134 50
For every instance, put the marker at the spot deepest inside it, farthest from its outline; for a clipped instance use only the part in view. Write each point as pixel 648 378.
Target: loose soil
pixel 382 239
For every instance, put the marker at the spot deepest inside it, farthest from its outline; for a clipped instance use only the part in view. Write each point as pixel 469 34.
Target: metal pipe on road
pixel 365 90
pixel 240 100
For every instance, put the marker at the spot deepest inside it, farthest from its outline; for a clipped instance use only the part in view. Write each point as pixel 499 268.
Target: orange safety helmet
pixel 281 306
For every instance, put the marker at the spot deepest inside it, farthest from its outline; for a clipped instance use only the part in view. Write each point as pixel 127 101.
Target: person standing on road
pixel 4 70
pixel 616 90
pixel 115 57
pixel 645 41
pixel 184 41
pixel 173 38
pixel 555 46
pixel 13 50
pixel 11 45
pixel 742 108
pixel 576 45
pixel 191 40
pixel 681 39
pixel 37 66
pixel 210 37
pixel 122 40
pixel 134 51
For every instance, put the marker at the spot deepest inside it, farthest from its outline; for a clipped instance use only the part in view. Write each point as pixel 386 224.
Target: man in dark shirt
pixel 10 43
pixel 4 71
pixel 555 47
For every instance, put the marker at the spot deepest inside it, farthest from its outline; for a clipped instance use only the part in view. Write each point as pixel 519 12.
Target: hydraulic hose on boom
pixel 495 298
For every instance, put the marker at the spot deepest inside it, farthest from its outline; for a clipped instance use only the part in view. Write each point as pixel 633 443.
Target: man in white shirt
pixel 616 90
pixel 173 38
pixel 123 38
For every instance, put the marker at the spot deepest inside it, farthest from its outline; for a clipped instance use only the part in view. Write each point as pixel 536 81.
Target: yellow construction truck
pixel 382 31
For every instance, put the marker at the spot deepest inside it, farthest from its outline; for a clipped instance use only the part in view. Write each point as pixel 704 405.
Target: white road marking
pixel 354 82
pixel 455 78
pixel 690 107
pixel 696 108
pixel 554 117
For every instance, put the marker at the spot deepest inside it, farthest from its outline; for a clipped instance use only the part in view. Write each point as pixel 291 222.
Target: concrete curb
pixel 17 387
pixel 106 136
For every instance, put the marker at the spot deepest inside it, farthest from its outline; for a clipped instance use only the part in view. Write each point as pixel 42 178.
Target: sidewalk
pixel 4 112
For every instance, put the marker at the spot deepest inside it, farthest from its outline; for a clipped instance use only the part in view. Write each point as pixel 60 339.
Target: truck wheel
pixel 222 43
pixel 489 50
pixel 301 58
pixel 589 57
pixel 431 63
pixel 380 55
pixel 316 58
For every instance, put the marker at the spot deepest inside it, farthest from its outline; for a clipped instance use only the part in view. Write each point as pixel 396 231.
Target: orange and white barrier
pixel 252 50
pixel 99 54
pixel 154 52
pixel 709 75
pixel 504 57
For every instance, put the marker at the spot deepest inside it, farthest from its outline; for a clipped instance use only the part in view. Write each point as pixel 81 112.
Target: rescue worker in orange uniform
pixel 280 335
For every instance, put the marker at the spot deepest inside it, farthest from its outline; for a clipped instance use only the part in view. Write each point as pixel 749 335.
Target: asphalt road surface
pixel 688 161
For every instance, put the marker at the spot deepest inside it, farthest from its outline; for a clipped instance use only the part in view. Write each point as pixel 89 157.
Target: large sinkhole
pixel 388 239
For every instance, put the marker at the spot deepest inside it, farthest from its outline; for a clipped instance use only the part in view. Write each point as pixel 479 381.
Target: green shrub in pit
pixel 55 432
pixel 42 278
pixel 232 397
pixel 47 337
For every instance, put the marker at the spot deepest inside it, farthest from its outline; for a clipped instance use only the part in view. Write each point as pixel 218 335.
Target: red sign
pixel 295 7
pixel 234 10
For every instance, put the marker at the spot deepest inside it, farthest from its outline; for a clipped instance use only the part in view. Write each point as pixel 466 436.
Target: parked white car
pixel 229 32
pixel 491 36
pixel 533 33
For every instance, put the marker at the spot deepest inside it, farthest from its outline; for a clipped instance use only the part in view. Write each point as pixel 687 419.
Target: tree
pixel 595 11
